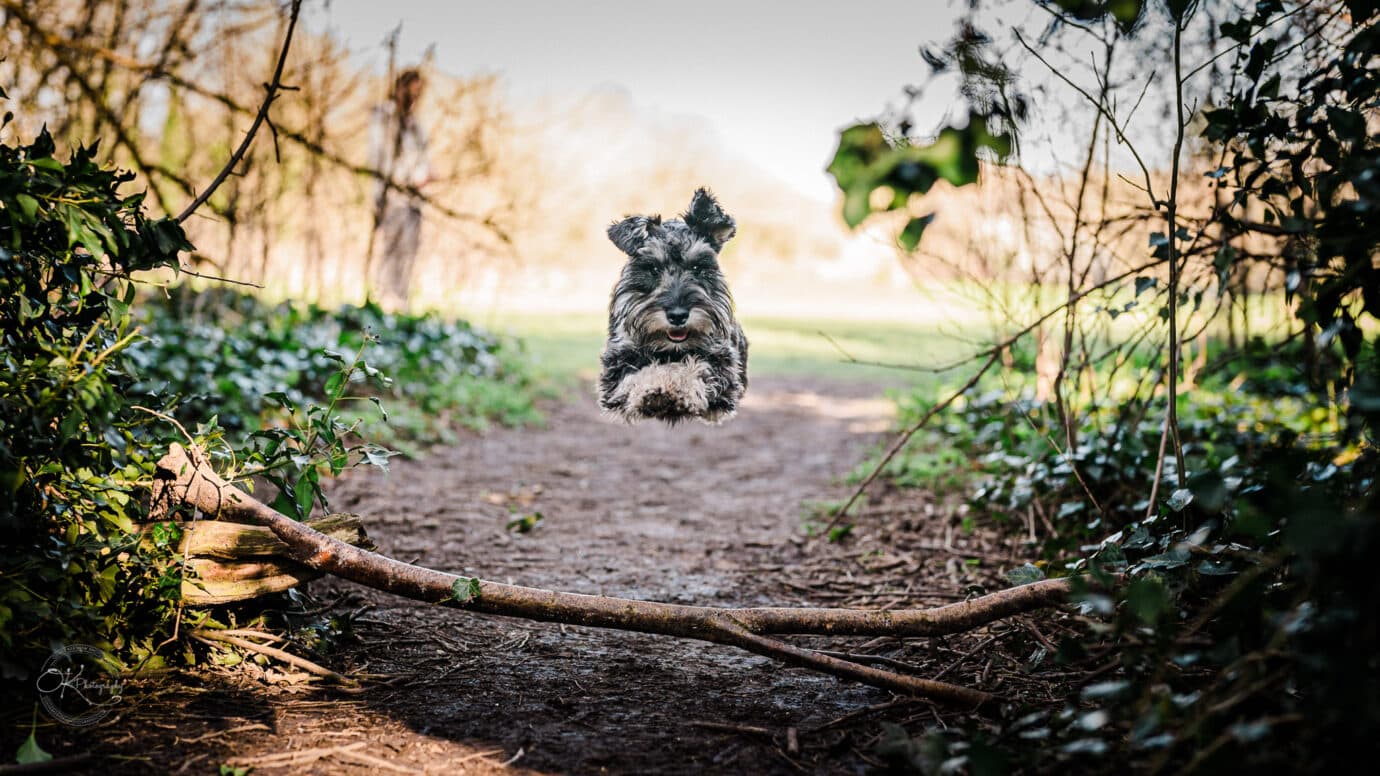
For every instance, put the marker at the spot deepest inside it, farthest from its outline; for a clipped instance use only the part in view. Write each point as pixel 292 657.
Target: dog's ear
pixel 632 232
pixel 707 219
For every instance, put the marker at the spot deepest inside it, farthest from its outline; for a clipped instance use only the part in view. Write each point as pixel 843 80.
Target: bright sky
pixel 775 79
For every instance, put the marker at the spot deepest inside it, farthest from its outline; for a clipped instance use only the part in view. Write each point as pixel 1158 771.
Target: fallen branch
pixel 184 477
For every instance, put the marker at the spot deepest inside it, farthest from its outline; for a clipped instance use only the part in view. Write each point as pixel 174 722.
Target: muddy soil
pixel 694 514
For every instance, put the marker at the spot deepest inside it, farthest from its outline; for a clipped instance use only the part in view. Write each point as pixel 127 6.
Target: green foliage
pixel 94 373
pixel 1236 647
pixel 524 523
pixel 1009 451
pixel 1301 153
pixel 30 752
pixel 464 590
pixel 72 443
pixel 867 161
pixel 1126 13
pixel 282 402
pixel 230 356
pixel 1237 603
pixel 1250 581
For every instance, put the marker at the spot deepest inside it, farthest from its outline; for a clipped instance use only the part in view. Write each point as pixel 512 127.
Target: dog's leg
pixel 725 380
pixel 618 364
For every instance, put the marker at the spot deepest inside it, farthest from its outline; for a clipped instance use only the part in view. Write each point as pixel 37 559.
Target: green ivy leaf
pixel 1103 690
pixel 1126 12
pixel 334 382
pixel 1147 599
pixel 526 523
pixel 464 590
pixel 28 206
pixel 1348 125
pixel 1172 559
pixel 1024 575
pixel 1179 499
pixel 377 456
pixel 303 495
pixel 30 752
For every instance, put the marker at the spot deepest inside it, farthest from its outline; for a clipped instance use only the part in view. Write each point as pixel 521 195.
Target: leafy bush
pixel 73 446
pixel 1223 539
pixel 97 376
pixel 1239 611
pixel 253 373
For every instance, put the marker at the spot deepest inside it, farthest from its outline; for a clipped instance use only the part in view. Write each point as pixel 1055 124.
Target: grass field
pixel 567 346
pixel 936 326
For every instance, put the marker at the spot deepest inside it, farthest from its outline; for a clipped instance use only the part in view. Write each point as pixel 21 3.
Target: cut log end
pixel 228 562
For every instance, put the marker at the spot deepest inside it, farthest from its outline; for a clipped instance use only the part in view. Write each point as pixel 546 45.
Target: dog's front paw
pixel 667 392
pixel 661 404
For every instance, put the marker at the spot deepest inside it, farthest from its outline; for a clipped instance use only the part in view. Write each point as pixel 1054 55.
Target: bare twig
pixel 218 278
pixel 904 437
pixel 210 636
pixel 1171 217
pixel 728 727
pixel 167 417
pixel 271 93
pixel 1101 106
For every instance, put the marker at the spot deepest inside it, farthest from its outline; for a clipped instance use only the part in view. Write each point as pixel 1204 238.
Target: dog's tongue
pixel 677 335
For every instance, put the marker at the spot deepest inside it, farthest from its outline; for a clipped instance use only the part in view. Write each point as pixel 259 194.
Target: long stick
pixel 184 477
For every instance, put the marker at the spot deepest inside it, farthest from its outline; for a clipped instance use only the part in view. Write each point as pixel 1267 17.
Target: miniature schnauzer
pixel 674 349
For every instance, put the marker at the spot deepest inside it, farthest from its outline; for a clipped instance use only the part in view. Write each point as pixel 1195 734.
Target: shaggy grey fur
pixel 674 349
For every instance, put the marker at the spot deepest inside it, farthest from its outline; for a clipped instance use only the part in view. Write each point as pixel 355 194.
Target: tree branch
pixel 159 69
pixel 272 89
pixel 184 477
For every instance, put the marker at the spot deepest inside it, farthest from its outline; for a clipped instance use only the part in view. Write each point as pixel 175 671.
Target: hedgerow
pixel 104 367
pixel 1223 527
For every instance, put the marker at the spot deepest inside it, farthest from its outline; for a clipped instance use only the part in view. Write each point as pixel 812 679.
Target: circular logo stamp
pixel 79 685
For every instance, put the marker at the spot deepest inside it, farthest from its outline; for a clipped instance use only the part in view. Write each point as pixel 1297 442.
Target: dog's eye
pixel 643 276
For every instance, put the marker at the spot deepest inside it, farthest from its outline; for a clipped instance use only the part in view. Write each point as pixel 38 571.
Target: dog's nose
pixel 677 316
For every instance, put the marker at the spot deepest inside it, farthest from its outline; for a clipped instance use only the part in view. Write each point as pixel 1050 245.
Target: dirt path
pixel 689 514
pixel 686 514
pixel 645 511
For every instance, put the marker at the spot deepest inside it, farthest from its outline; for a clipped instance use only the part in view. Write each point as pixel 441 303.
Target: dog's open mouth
pixel 677 334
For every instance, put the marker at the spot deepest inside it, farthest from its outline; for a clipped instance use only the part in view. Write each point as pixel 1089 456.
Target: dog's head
pixel 672 295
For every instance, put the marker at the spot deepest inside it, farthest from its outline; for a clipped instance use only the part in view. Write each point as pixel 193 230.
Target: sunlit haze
pixel 772 80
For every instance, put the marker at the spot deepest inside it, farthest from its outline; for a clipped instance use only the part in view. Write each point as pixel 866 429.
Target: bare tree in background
pixel 172 86
pixel 397 146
